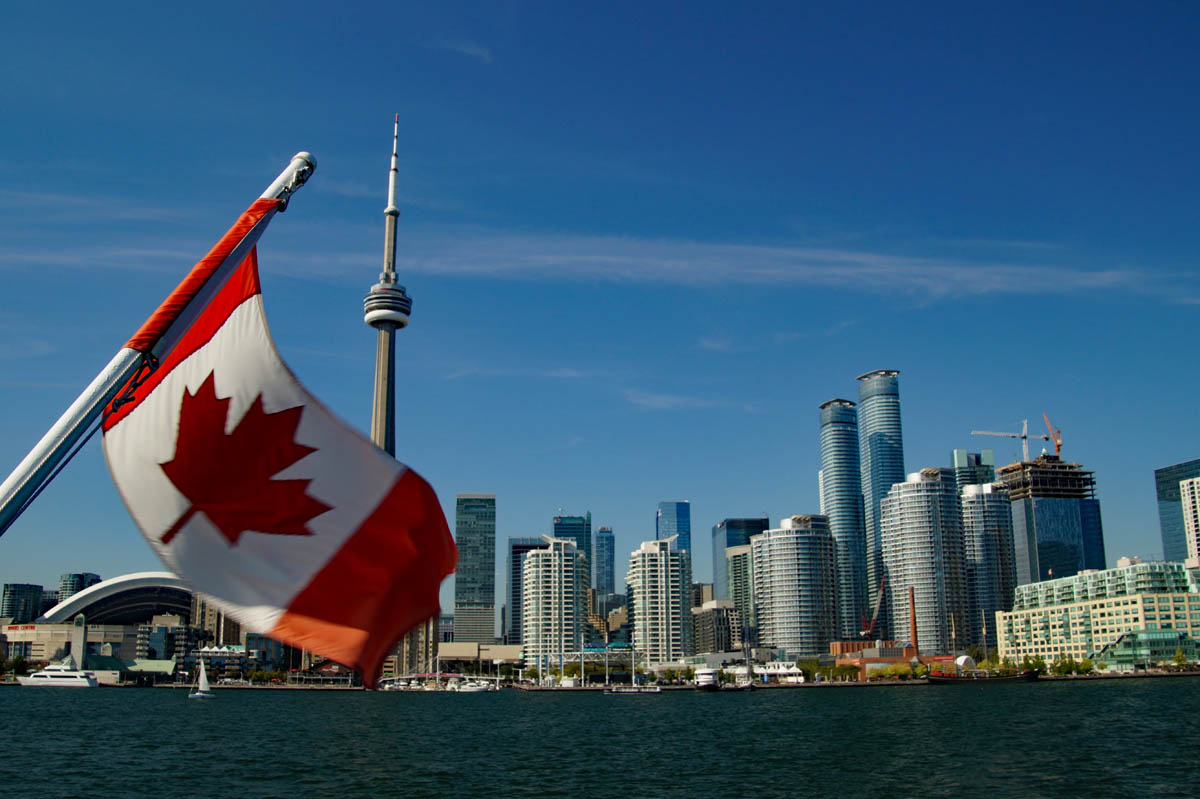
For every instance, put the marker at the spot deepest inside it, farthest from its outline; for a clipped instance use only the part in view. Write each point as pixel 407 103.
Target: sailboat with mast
pixel 201 689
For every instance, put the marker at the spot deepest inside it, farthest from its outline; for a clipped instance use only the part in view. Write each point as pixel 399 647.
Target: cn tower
pixel 386 308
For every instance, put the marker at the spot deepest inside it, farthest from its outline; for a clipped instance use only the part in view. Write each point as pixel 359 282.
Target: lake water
pixel 1078 739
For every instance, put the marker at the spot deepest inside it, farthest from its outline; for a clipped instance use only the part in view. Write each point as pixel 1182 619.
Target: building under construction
pixel 1056 518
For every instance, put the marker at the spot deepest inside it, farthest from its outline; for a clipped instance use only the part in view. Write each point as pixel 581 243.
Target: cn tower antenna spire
pixel 386 308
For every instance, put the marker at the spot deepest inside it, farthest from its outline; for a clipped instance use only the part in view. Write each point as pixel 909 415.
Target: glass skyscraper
pixel 71 584
pixel 731 533
pixel 842 504
pixel 579 530
pixel 1170 511
pixel 881 465
pixel 973 468
pixel 605 569
pixel 475 576
pixel 674 518
pixel 1056 519
pixel 517 548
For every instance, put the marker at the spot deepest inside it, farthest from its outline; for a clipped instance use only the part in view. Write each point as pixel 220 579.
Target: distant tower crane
pixel 869 626
pixel 1055 436
pixel 1023 435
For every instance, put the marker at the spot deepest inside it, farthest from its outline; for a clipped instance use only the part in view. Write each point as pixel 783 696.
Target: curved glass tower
pixel 881 465
pixel 842 503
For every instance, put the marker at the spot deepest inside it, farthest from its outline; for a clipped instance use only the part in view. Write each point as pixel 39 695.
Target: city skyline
pixel 1037 187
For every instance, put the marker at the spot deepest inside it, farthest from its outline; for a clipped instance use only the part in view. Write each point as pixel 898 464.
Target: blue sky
pixel 643 243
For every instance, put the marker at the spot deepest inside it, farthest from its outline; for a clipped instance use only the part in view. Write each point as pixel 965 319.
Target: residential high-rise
pixel 517 549
pixel 674 519
pixel 1189 501
pixel 973 468
pixel 218 629
pixel 475 576
pixel 71 584
pixel 842 503
pixel 21 602
pixel 1056 518
pixel 701 593
pixel 795 586
pixel 660 601
pixel 739 566
pixel 881 465
pixel 988 552
pixel 554 603
pixel 718 627
pixel 604 572
pixel 1170 513
pixel 922 542
pixel 731 533
pixel 579 530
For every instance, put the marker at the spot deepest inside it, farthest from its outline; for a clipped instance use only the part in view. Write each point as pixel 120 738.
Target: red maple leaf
pixel 227 477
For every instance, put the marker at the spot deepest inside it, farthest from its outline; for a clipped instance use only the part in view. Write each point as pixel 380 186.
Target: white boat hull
pixel 62 679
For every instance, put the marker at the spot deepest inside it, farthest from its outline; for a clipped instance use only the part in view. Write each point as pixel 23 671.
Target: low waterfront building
pixel 46 643
pixel 1081 615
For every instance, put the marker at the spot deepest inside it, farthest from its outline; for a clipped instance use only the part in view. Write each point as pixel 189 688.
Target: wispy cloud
pixel 24 348
pixel 465 47
pixel 664 402
pixel 695 263
pixel 93 206
pixel 715 344
pixel 559 373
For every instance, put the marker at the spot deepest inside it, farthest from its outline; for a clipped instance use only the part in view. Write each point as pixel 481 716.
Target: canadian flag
pixel 253 492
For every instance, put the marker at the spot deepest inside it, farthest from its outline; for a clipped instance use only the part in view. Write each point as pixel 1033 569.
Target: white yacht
pixel 61 674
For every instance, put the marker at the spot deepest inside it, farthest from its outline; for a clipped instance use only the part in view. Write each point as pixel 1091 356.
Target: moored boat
pixel 980 676
pixel 60 675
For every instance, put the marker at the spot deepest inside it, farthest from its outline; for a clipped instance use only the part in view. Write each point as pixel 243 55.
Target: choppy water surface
pixel 1096 739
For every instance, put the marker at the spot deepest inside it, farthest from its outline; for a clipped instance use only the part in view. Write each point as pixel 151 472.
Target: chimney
pixel 912 620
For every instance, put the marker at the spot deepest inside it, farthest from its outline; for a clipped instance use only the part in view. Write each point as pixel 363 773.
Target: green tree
pixel 1084 666
pixel 689 673
pixel 19 666
pixel 1101 665
pixel 808 667
pixel 1180 659
pixel 976 653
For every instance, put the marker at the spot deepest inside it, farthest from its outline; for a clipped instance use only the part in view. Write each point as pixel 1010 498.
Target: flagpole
pixel 35 471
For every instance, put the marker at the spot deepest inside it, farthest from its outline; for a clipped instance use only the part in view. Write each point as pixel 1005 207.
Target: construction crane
pixel 1023 435
pixel 1055 436
pixel 869 626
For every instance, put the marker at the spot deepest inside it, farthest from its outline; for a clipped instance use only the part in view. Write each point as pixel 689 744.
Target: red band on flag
pixel 241 286
pixel 381 583
pixel 160 321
